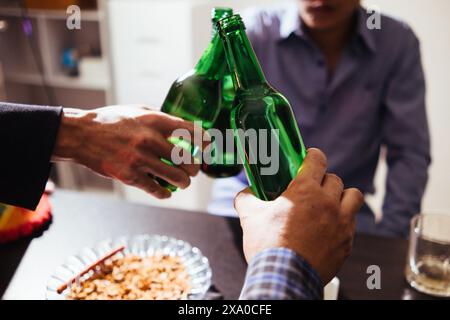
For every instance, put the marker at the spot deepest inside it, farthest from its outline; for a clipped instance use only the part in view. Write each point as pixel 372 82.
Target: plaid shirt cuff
pixel 281 274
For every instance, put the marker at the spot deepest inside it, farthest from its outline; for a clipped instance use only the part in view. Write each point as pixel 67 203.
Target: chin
pixel 320 23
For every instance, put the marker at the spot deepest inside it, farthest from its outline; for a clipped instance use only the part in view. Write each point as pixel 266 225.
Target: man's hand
pixel 125 143
pixel 314 217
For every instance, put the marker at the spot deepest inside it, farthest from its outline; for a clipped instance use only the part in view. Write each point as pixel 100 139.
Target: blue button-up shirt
pixel 375 98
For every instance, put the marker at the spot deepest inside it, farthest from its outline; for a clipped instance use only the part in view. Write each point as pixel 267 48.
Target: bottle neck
pixel 212 63
pixel 242 61
pixel 216 15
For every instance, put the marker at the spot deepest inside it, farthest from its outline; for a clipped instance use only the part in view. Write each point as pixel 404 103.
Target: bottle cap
pixel 230 24
pixel 218 13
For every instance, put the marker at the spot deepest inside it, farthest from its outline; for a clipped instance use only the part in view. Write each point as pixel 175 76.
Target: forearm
pixel 405 185
pixel 72 134
pixel 281 274
pixel 406 136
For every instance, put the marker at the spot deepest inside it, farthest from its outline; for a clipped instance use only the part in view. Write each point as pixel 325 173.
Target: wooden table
pixel 82 220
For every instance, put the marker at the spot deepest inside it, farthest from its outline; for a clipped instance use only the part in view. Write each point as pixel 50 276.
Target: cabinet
pixel 31 46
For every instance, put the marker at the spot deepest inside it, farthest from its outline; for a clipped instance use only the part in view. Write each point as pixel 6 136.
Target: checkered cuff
pixel 281 274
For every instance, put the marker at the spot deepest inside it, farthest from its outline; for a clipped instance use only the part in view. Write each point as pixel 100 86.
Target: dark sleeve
pixel 27 137
pixel 406 135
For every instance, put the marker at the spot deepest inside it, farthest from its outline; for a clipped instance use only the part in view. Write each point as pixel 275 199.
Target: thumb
pixel 246 202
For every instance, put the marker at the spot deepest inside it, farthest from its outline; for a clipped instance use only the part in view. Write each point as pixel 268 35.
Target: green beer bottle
pixel 224 160
pixel 259 107
pixel 197 96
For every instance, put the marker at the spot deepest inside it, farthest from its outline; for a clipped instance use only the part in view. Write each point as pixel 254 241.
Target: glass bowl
pixel 197 265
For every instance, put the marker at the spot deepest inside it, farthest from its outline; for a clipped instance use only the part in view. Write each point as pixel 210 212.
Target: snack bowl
pixel 196 265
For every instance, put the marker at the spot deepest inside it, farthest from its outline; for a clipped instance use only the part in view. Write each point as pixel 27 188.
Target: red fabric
pixel 24 223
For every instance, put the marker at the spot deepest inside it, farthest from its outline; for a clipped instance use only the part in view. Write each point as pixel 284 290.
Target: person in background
pixel 294 244
pixel 353 90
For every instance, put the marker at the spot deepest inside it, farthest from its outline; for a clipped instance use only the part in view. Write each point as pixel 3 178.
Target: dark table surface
pixel 83 220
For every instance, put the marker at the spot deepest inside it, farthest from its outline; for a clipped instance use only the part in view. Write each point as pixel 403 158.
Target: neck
pixel 212 61
pixel 244 66
pixel 333 40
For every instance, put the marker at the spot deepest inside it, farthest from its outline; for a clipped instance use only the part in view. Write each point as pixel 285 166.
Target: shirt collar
pixel 363 32
pixel 291 23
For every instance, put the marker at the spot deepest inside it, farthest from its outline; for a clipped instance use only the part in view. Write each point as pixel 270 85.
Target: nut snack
pixel 131 277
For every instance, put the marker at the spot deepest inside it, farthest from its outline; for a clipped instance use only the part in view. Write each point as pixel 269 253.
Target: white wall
pixel 429 20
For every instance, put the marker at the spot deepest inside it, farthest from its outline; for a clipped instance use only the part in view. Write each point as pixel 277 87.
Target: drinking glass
pixel 428 263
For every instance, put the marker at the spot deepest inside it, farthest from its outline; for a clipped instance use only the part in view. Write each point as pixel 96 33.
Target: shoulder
pixel 394 35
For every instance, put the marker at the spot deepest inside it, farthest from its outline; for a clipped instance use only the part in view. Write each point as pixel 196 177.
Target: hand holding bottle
pixel 314 217
pixel 125 143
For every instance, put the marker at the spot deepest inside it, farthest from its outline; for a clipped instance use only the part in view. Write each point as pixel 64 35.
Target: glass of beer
pixel 428 263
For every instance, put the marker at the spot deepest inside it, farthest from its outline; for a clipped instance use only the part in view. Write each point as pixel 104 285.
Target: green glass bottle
pixel 224 160
pixel 259 107
pixel 197 96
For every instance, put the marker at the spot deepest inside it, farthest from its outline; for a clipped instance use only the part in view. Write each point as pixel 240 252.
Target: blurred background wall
pixel 136 48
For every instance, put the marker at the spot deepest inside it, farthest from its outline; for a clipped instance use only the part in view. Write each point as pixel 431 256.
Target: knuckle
pixel 158 195
pixel 127 178
pixel 308 186
pixel 186 182
pixel 359 195
pixel 181 178
pixel 319 157
pixel 145 140
pixel 151 119
pixel 135 161
pixel 335 177
pixel 239 200
pixel 151 188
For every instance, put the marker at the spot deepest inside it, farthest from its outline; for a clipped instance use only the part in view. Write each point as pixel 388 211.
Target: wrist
pixel 71 134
